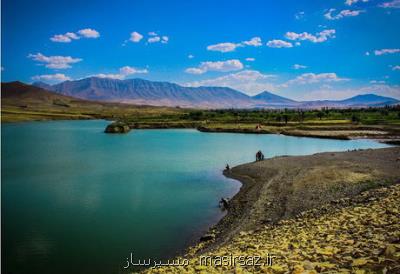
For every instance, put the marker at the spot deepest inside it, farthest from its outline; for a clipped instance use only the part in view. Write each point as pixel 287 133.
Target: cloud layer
pixel 316 38
pixel 69 36
pixel 298 66
pixel 153 37
pixel 51 78
pixel 395 4
pixel 312 78
pixel 224 66
pixel 123 73
pixel 54 62
pixel 248 81
pixel 386 51
pixel 351 2
pixel 279 44
pixel 344 13
pixel 229 47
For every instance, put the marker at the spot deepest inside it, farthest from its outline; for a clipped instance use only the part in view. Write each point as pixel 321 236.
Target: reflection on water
pixel 76 200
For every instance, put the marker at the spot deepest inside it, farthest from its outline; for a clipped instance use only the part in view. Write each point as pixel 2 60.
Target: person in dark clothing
pixel 259 156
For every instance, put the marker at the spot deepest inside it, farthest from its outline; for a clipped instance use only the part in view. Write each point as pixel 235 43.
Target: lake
pixel 77 200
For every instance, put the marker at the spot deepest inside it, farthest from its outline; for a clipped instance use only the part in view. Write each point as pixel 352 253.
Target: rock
pixel 207 237
pixel 117 128
pixel 390 251
pixel 359 262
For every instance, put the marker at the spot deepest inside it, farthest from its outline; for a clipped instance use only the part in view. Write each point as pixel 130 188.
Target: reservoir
pixel 77 200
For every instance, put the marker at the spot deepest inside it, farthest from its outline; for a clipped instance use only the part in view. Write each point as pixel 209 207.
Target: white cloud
pixel 250 59
pixel 194 71
pixel 164 39
pixel 123 73
pixel 299 15
pixel 69 36
pixel 395 4
pixel 386 51
pixel 224 66
pixel 279 44
pixel 255 42
pixel 54 62
pixel 396 68
pixel 89 33
pixel 317 38
pixel 228 46
pixel 311 78
pixel 154 39
pixel 377 82
pixel 223 47
pixel 127 70
pixel 367 53
pixel 135 37
pixel 190 56
pixel 249 81
pixel 351 2
pixel 298 66
pixel 342 14
pixel 51 78
pixel 110 76
pixel 64 38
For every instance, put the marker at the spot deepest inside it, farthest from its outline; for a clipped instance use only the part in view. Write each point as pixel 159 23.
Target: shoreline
pixel 357 132
pixel 253 188
pixel 389 134
pixel 310 224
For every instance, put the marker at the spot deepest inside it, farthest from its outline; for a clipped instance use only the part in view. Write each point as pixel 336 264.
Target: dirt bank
pixel 332 212
pixel 282 187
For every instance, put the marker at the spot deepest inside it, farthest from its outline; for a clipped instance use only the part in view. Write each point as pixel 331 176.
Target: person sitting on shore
pixel 224 203
pixel 259 156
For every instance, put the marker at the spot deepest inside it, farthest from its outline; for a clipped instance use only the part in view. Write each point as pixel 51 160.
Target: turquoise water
pixel 76 200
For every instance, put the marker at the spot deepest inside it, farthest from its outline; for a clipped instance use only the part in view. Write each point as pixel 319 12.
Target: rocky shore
pixel 388 135
pixel 328 212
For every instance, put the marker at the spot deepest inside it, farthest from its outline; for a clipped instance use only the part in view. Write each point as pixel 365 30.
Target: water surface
pixel 76 200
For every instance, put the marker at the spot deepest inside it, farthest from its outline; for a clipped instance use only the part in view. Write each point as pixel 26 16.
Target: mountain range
pixel 145 92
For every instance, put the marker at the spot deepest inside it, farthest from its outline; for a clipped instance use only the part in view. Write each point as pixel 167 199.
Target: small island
pixel 118 127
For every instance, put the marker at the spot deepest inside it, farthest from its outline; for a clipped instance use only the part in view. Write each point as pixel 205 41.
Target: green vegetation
pixel 369 116
pixel 31 104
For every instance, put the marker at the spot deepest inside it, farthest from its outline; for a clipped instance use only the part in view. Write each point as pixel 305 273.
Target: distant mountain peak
pixel 370 98
pixel 145 92
pixel 272 98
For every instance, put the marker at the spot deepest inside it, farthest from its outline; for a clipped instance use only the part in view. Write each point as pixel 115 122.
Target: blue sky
pixel 300 49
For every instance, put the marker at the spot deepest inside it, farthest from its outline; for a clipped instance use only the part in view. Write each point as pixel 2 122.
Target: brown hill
pixel 22 102
pixel 17 91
